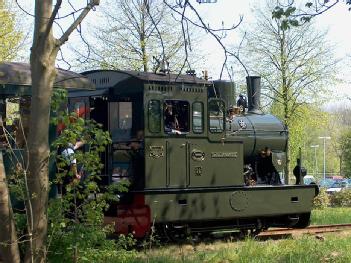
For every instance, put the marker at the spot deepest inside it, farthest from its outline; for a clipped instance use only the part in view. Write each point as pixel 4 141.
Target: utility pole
pixel 315 159
pixel 324 139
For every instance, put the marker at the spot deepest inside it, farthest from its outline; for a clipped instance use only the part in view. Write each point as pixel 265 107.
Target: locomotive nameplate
pixel 224 154
pixel 198 155
pixel 156 151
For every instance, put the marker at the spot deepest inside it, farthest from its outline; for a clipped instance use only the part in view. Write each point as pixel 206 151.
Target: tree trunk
pixel 42 60
pixel 285 90
pixel 142 37
pixel 9 251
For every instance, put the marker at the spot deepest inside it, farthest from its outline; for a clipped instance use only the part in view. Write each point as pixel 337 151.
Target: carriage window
pixel 154 112
pixel 120 120
pixel 80 109
pixel 176 116
pixel 198 126
pixel 125 115
pixel 15 114
pixel 216 112
pixel 80 106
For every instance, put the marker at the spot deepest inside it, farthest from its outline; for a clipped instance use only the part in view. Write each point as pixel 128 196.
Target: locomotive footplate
pixel 182 205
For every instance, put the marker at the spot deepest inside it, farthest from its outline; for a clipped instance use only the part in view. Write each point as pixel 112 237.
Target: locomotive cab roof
pixel 128 80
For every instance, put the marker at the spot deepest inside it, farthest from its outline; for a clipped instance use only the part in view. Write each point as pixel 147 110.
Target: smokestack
pixel 226 91
pixel 253 93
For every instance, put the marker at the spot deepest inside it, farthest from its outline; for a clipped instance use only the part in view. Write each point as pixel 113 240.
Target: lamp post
pixel 315 158
pixel 324 138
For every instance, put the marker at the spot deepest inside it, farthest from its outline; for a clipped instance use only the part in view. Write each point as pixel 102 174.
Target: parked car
pixel 338 186
pixel 309 179
pixel 327 183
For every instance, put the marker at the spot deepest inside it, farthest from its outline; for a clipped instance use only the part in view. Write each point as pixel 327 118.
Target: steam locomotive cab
pixel 185 161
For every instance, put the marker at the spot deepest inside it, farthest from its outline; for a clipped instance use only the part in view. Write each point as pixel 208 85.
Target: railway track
pixel 318 229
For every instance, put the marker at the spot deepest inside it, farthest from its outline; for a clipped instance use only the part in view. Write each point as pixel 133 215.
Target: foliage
pixel 10 36
pixel 345 145
pixel 305 125
pixel 333 248
pixel 292 16
pixel 341 198
pixel 127 38
pixel 76 228
pixel 331 215
pixel 86 241
pixel 296 66
pixel 287 18
pixel 321 201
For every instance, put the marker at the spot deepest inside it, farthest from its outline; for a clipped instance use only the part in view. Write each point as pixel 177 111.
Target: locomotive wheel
pixel 304 220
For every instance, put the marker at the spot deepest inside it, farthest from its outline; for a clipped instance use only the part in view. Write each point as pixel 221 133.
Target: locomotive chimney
pixel 253 93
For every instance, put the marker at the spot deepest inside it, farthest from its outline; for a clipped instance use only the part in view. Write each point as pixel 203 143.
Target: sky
pixel 336 21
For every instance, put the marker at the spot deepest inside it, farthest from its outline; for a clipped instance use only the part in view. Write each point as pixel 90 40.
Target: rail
pixel 318 229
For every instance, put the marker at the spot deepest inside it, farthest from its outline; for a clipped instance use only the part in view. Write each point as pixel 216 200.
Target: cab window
pixel 216 115
pixel 198 126
pixel 176 116
pixel 154 116
pixel 122 126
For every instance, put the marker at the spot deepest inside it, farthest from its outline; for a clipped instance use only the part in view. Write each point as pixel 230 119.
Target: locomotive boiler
pixel 191 167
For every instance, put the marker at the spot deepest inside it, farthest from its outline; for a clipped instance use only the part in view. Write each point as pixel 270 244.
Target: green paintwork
pixel 178 167
pixel 213 162
pixel 194 175
pixel 245 202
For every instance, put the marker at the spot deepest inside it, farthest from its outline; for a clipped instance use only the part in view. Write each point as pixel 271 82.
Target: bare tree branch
pixel 73 26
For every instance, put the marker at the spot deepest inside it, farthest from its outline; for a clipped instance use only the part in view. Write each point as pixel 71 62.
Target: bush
pixel 76 231
pixel 342 198
pixel 322 200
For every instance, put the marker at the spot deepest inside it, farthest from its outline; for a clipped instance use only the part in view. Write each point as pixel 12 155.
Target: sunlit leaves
pixel 10 36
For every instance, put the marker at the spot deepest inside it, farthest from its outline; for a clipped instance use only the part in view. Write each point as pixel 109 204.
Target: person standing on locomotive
pixel 242 103
pixel 265 170
pixel 170 119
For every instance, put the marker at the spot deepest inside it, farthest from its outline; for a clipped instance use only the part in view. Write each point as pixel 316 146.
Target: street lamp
pixel 324 138
pixel 315 158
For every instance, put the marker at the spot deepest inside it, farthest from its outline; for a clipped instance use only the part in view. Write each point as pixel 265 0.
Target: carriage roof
pixel 15 78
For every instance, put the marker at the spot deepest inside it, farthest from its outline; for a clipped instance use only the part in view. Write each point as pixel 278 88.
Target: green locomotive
pixel 192 167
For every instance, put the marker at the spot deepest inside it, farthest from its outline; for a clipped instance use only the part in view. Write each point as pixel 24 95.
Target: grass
pixel 330 248
pixel 331 215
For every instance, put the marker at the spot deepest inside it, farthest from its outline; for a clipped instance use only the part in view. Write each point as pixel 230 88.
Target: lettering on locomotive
pixel 224 154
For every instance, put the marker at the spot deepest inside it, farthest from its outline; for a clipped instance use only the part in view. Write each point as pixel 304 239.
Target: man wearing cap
pixel 242 103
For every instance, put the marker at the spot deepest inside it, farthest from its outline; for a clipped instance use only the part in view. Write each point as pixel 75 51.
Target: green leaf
pixel 294 22
pixel 308 4
pixel 284 25
pixel 290 10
